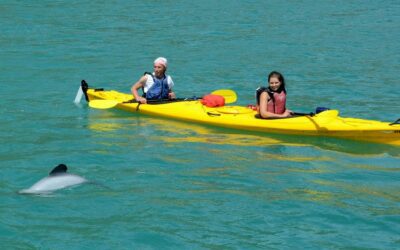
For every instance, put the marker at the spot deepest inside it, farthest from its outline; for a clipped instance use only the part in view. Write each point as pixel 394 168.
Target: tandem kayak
pixel 327 123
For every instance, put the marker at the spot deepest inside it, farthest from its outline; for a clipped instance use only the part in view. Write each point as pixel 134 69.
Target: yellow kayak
pixel 326 123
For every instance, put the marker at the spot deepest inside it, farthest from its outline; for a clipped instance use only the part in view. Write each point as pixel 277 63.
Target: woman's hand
pixel 287 113
pixel 142 100
pixel 171 95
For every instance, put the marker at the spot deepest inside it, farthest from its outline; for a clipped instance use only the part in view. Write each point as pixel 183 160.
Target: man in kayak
pixel 271 101
pixel 156 85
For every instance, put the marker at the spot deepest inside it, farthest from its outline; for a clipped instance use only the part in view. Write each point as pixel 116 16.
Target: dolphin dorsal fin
pixel 61 168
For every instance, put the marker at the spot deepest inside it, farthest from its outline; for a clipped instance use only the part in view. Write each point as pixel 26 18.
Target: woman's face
pixel 274 83
pixel 159 69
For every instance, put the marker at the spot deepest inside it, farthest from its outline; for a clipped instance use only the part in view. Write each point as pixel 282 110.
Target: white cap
pixel 161 60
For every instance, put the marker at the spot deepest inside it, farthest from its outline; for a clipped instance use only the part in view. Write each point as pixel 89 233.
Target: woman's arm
pixel 136 86
pixel 171 94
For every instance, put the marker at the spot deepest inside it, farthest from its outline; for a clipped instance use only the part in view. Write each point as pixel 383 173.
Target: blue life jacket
pixel 159 90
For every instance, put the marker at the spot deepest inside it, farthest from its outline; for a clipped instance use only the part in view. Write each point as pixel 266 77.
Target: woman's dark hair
pixel 280 78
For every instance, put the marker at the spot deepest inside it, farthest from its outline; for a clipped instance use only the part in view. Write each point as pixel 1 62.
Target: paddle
pixel 106 104
pixel 303 114
pixel 395 122
pixel 229 96
pixel 317 111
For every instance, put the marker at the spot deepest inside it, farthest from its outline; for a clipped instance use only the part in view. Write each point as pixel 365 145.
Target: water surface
pixel 178 185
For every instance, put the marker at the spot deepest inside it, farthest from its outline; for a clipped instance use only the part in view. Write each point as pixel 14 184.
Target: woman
pixel 156 85
pixel 272 100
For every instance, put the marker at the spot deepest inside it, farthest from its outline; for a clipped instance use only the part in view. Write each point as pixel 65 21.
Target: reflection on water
pixel 301 166
pixel 311 195
pixel 105 127
pixel 353 194
pixel 172 131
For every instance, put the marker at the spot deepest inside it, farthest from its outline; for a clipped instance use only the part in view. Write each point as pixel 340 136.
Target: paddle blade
pixel 331 113
pixel 103 104
pixel 229 95
pixel 78 96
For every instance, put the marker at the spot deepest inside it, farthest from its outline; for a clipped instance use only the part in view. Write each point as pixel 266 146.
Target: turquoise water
pixel 173 185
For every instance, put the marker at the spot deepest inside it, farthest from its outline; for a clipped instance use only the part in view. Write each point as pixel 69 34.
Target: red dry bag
pixel 213 100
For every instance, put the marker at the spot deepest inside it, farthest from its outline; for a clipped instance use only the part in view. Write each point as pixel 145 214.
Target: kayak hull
pixel 327 123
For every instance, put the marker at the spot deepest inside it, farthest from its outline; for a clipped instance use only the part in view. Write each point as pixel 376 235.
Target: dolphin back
pixel 61 168
pixel 57 179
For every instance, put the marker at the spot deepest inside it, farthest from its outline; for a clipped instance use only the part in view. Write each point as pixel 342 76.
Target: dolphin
pixel 58 179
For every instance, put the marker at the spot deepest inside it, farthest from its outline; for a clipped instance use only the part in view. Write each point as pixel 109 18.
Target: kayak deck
pixel 327 123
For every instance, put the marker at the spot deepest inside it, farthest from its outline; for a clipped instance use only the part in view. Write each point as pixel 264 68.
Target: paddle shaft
pixel 229 96
pixel 163 101
pixel 303 114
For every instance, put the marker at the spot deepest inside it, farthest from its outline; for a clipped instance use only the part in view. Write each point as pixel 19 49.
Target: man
pixel 156 85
